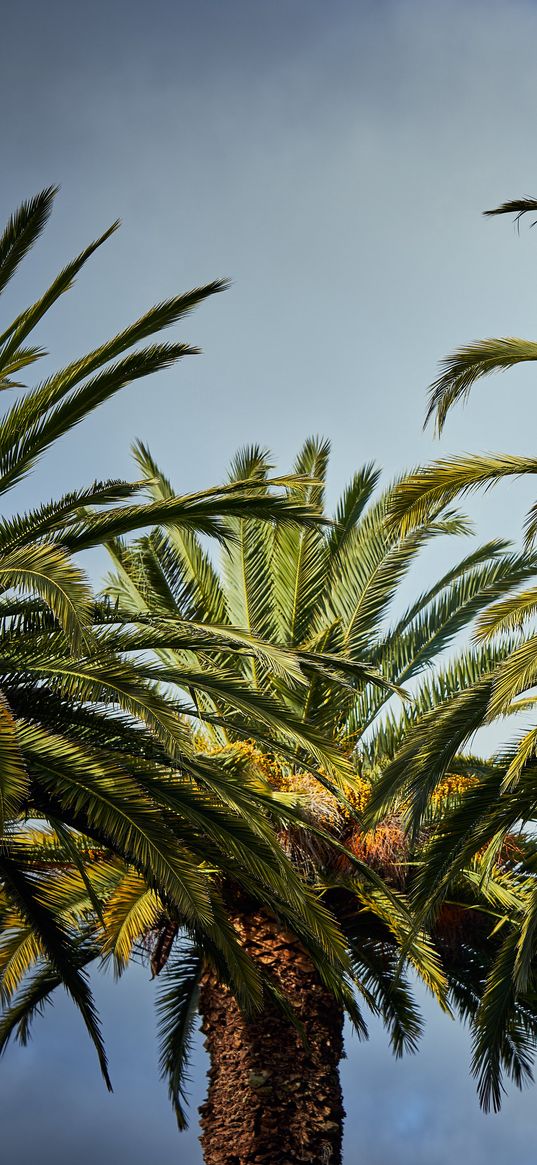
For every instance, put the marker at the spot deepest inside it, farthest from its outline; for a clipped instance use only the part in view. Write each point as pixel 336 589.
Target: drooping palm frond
pixel 36 908
pixel 504 1034
pixel 177 1014
pixel 443 480
pixel 377 968
pixel 470 363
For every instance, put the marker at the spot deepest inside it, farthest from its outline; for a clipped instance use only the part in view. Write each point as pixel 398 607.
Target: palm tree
pixel 97 754
pixel 87 738
pixel 326 593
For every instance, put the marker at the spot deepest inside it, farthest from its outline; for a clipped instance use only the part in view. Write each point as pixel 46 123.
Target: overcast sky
pixel 333 159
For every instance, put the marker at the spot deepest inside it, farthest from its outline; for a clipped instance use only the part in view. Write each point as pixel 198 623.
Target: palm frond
pixel 300 554
pixel 22 230
pixel 503 1040
pixel 176 1012
pixel 132 910
pixel 443 480
pixel 58 949
pixel 351 506
pixel 470 363
pixel 14 780
pixel 44 569
pixel 14 337
pixel 516 206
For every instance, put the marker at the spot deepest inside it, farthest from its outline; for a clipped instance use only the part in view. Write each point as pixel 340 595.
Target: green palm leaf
pixel 177 1013
pixel 22 231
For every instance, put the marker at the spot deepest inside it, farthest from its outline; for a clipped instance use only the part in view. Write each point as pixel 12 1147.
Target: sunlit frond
pixel 443 480
pixel 470 363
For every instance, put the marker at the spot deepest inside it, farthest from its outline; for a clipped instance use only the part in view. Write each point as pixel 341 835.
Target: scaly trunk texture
pixel 271 1101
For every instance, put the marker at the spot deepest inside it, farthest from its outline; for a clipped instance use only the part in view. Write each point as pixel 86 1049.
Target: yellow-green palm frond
pixel 470 363
pixel 514 676
pixel 439 483
pixel 45 570
pixel 14 779
pixel 35 904
pixel 510 614
pixel 131 911
pixel 299 571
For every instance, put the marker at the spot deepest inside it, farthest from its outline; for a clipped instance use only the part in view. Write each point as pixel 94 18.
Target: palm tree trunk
pixel 271 1100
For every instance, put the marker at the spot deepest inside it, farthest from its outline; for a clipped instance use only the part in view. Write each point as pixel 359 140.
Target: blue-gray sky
pixel 333 160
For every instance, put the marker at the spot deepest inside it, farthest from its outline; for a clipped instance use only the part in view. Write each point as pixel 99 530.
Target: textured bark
pixel 272 1101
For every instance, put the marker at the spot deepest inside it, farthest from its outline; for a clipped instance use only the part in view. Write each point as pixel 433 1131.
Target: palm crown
pixel 327 592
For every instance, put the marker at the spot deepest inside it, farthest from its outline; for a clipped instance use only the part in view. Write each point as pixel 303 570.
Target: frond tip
pixel 516 206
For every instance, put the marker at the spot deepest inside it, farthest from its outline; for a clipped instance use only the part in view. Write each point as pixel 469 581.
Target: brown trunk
pixel 272 1101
